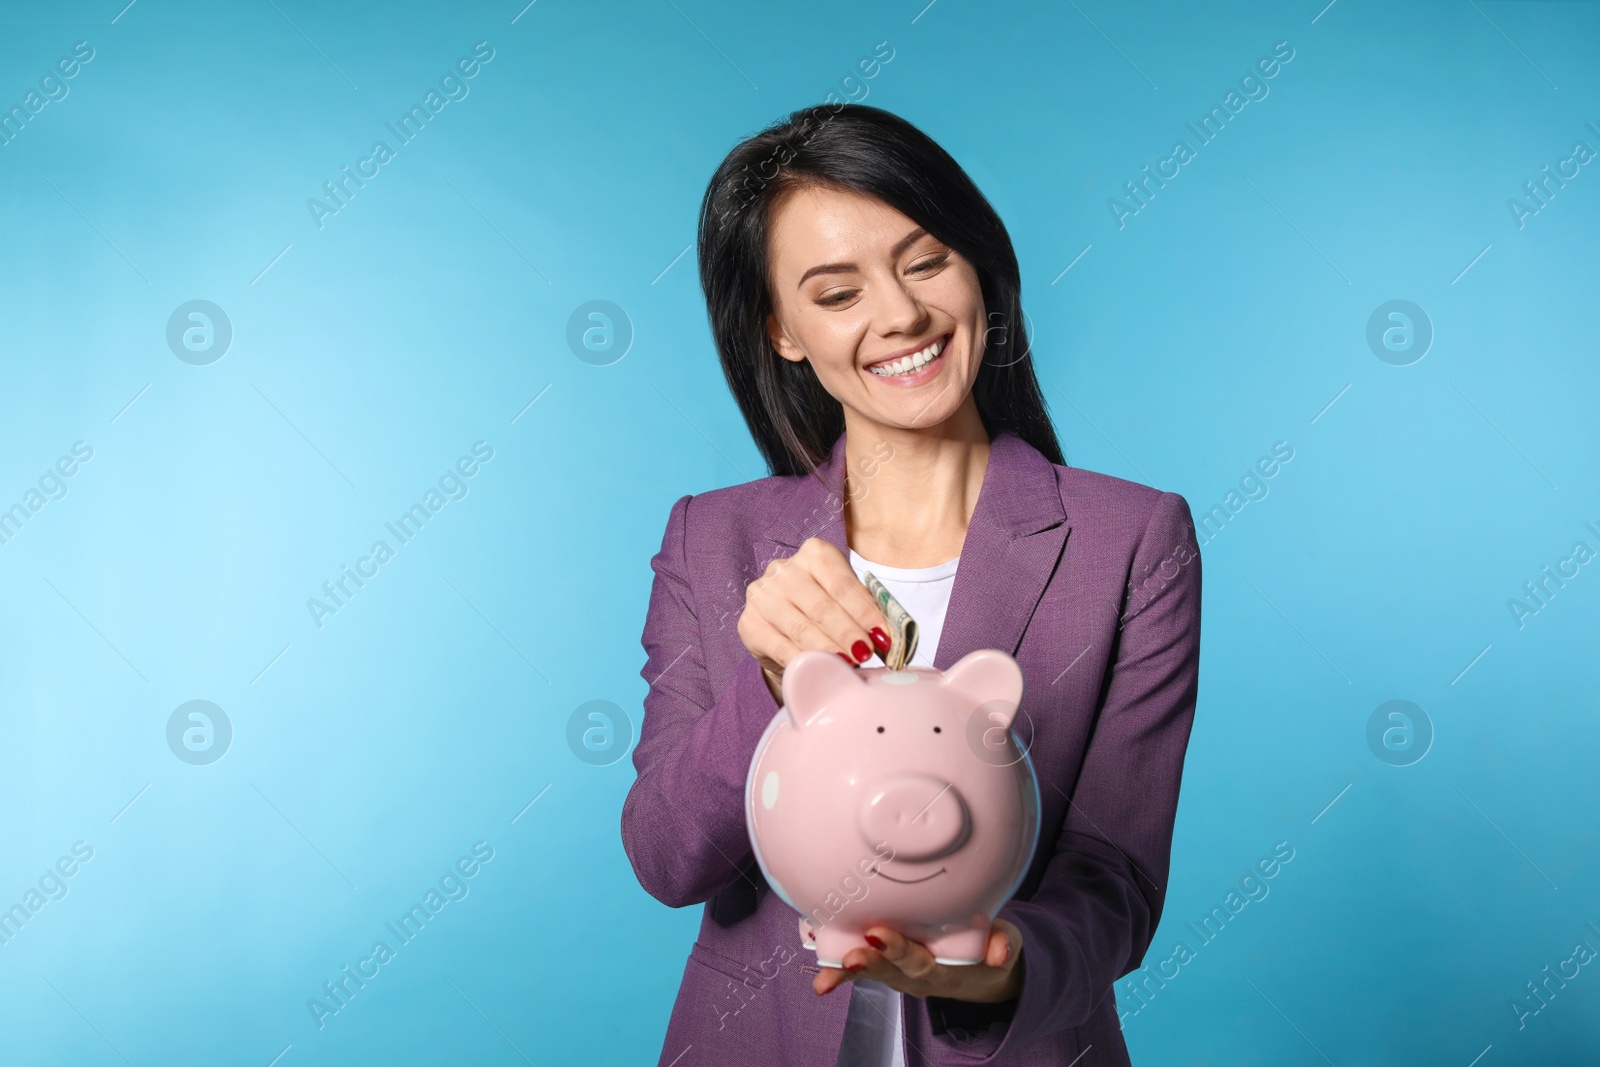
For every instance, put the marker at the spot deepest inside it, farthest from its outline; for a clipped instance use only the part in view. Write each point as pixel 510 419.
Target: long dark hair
pixel 794 420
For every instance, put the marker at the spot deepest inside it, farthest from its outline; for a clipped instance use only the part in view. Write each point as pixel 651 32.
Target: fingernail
pixel 846 658
pixel 861 651
pixel 856 968
pixel 880 639
pixel 876 942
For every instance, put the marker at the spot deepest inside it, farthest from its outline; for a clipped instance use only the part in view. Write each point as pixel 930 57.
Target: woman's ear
pixel 781 343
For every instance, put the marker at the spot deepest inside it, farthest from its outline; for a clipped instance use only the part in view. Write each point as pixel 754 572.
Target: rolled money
pixel 902 627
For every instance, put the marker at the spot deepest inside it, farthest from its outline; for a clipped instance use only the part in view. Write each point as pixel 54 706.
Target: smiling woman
pixel 865 303
pixel 803 270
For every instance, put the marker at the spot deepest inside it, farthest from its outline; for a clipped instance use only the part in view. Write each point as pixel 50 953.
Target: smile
pixel 907 881
pixel 915 368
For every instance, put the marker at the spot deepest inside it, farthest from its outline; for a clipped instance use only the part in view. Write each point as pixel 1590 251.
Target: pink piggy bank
pixel 894 798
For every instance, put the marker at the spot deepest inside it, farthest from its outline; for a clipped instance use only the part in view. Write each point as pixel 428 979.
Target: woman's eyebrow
pixel 840 268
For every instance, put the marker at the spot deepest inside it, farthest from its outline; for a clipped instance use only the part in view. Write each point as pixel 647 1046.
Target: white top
pixel 872 1029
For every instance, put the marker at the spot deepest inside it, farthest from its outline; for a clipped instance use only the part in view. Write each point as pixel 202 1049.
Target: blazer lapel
pixel 815 508
pixel 1013 543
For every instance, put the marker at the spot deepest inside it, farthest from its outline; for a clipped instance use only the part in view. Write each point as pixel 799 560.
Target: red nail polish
pixel 861 651
pixel 846 658
pixel 876 942
pixel 880 639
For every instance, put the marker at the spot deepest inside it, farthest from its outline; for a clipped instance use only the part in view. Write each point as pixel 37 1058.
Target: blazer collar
pixel 1013 542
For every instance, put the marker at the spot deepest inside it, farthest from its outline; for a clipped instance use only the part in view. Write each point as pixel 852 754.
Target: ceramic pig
pixel 894 798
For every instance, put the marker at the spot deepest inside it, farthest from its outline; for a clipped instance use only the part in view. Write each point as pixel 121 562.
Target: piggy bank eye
pixel 935 729
pixel 880 729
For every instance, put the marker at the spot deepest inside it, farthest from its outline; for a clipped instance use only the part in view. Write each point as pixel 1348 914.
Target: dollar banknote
pixel 902 627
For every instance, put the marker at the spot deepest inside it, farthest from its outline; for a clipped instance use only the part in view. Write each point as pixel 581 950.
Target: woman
pixel 864 299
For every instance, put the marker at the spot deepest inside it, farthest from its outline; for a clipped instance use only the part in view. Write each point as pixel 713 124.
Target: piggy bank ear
pixel 811 681
pixel 988 678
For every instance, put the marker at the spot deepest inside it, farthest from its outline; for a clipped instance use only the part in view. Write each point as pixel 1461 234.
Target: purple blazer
pixel 1093 584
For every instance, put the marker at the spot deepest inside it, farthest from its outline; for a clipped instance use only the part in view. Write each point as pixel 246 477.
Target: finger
pixel 832 571
pixel 831 978
pixel 998 949
pixel 1005 942
pixel 764 640
pixel 830 618
pixel 778 621
pixel 862 962
pixel 909 957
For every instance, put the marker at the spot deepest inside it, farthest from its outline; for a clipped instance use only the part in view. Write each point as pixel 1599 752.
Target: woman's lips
pixel 923 373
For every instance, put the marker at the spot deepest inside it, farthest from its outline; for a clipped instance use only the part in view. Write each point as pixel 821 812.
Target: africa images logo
pixel 452 886
pixel 453 87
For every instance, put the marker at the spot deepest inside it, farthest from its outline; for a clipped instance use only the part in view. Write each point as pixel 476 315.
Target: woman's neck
pixel 910 493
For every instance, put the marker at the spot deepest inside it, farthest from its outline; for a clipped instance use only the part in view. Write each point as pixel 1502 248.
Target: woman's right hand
pixel 811 599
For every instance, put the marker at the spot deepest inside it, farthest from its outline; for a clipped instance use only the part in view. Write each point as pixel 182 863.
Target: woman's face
pixel 857 287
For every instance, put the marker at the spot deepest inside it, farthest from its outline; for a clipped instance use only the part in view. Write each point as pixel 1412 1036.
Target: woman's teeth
pixel 913 362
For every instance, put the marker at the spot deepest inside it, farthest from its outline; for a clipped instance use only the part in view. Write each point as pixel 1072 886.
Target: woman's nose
pixel 899 311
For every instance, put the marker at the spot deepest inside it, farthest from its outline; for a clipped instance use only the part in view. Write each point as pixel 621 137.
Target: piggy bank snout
pixel 921 817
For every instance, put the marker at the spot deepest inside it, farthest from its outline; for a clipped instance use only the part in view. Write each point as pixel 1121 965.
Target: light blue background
pixel 368 354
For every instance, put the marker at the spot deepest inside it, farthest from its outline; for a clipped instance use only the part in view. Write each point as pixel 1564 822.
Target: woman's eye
pixel 921 268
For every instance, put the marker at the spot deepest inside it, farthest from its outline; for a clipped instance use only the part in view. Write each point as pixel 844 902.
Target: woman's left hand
pixel 908 966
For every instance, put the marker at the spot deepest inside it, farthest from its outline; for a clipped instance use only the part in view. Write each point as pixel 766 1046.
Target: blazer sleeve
pixel 683 822
pixel 1093 915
